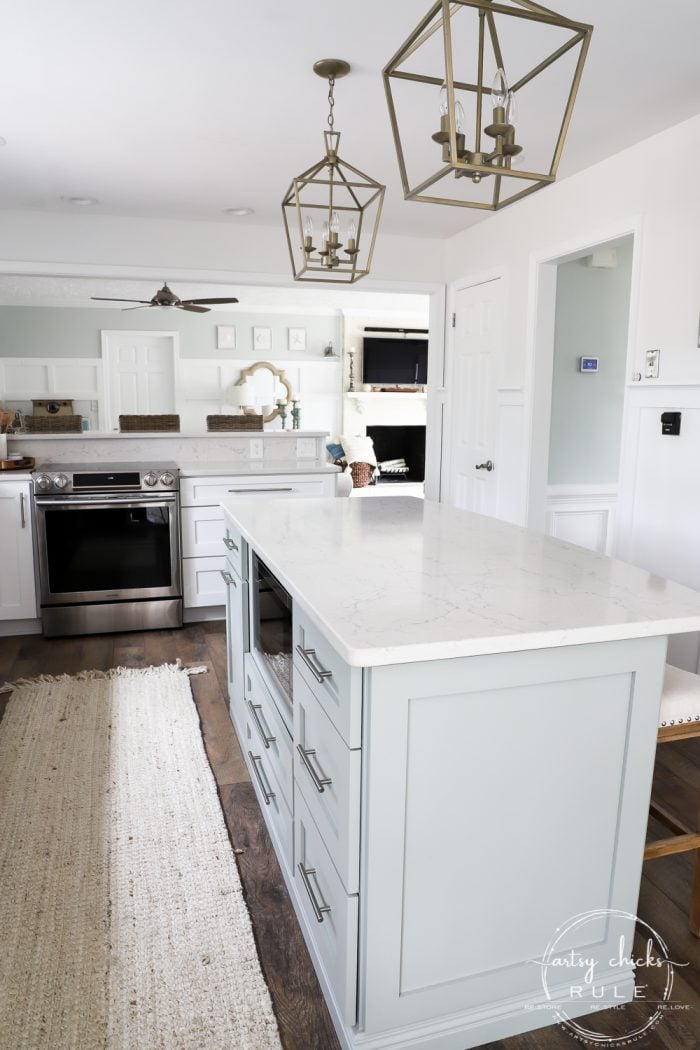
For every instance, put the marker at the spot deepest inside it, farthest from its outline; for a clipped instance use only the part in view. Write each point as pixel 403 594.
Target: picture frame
pixel 296 339
pixel 262 338
pixel 225 337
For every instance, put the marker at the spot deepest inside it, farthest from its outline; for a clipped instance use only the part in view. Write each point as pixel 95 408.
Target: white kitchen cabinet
pixel 203 522
pixel 236 640
pixel 17 586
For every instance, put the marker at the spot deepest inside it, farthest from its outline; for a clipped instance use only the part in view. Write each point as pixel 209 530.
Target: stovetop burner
pixel 76 478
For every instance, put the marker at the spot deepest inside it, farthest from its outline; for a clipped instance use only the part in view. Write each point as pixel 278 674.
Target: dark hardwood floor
pixel 301 1013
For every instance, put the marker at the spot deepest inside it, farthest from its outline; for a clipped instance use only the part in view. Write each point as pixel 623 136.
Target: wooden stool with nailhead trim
pixel 679 720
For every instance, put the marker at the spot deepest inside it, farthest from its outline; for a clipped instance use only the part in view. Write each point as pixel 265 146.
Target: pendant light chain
pixel 331 102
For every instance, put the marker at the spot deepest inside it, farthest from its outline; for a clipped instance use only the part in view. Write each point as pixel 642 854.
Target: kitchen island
pixel 468 765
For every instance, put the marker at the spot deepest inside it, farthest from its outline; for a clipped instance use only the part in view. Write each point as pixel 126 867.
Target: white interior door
pixel 476 350
pixel 140 369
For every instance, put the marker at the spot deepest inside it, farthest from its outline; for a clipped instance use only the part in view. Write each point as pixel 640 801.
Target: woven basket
pixel 53 424
pixel 234 423
pixel 156 424
pixel 361 474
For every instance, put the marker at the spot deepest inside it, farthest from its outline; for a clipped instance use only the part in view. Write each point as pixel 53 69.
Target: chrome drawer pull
pixel 238 492
pixel 320 783
pixel 319 909
pixel 21 510
pixel 230 544
pixel 228 578
pixel 267 795
pixel 318 673
pixel 254 708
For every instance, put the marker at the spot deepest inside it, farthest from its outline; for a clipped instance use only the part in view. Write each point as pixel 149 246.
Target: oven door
pixel 116 548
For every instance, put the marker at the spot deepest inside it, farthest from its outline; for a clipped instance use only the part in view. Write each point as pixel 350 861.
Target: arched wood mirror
pixel 263 377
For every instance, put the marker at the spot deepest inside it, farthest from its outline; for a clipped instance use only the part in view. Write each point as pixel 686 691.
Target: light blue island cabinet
pixel 450 723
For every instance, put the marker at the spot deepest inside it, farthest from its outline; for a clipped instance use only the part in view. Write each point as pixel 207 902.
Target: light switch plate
pixel 652 364
pixel 255 449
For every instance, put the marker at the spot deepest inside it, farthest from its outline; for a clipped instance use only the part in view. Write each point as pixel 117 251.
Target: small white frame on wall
pixel 262 338
pixel 297 339
pixel 225 337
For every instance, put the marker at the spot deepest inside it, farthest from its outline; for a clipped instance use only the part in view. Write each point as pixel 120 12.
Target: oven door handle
pixel 130 504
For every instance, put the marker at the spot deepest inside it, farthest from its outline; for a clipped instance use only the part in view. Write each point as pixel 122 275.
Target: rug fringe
pixel 113 672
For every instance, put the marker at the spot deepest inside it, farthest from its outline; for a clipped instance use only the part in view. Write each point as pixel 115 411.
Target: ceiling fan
pixel 165 297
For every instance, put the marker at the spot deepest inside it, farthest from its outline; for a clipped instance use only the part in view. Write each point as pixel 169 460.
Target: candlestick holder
pixel 282 407
pixel 351 384
pixel 296 415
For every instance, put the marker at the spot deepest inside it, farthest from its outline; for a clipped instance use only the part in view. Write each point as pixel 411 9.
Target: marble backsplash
pixel 308 446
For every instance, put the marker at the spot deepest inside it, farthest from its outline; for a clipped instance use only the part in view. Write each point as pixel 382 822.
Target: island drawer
pixel 234 546
pixel 331 914
pixel 277 814
pixel 336 685
pixel 269 730
pixel 328 775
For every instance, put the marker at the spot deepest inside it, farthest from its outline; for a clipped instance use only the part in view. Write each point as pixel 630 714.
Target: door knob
pixel 488 465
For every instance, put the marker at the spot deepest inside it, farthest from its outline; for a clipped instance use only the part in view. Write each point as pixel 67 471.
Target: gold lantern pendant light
pixel 489 152
pixel 330 201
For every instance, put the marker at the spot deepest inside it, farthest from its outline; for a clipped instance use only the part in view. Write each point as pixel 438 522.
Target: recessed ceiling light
pixel 239 211
pixel 81 202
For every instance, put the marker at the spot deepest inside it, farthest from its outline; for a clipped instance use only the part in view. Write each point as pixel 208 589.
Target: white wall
pixel 167 245
pixel 652 190
pixel 592 320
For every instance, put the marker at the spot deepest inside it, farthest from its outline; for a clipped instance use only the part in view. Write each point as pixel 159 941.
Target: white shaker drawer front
pixel 271 799
pixel 209 492
pixel 336 685
pixel 202 581
pixel 328 774
pixel 202 532
pixel 269 730
pixel 331 915
pixel 235 548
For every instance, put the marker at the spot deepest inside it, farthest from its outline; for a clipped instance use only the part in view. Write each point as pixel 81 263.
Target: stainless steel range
pixel 108 547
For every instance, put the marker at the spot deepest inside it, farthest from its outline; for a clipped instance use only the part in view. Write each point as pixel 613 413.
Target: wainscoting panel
pixel 583 514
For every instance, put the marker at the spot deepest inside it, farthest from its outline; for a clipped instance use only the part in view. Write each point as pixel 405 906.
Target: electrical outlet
pixel 255 449
pixel 652 364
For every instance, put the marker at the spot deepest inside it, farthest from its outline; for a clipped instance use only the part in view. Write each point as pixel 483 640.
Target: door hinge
pixel 454 320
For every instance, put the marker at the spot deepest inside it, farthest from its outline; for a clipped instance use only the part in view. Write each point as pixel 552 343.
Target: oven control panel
pixel 77 478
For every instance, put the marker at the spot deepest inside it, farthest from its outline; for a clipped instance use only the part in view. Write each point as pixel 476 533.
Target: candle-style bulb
pixel 459 117
pixel 325 231
pixel 335 223
pixel 511 108
pixel 499 89
pixel 443 101
pixel 309 227
pixel 352 229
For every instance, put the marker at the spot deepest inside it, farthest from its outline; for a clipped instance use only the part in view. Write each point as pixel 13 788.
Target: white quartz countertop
pixel 256 466
pixel 402 579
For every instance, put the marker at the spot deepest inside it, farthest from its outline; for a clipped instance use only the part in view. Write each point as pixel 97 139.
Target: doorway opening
pixel 579 399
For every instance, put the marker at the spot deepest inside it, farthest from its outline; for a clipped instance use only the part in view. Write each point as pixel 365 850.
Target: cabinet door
pixel 236 643
pixel 17 594
pixel 202 583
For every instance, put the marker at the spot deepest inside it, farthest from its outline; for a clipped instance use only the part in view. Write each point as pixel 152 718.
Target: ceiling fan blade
pixel 192 309
pixel 127 308
pixel 102 299
pixel 211 302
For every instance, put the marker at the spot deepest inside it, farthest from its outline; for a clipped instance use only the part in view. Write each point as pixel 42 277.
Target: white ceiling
pixel 173 109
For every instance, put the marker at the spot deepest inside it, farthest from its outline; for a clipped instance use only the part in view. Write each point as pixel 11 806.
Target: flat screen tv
pixel 394 361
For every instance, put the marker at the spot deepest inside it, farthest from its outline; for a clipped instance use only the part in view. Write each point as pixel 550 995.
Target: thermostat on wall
pixel 589 364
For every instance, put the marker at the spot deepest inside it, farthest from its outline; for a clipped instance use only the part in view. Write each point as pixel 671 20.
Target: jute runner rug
pixel 122 919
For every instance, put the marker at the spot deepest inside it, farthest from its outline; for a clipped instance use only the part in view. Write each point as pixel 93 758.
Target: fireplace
pixel 399 442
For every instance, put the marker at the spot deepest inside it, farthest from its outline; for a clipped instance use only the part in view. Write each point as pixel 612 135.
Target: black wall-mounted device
pixel 670 423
